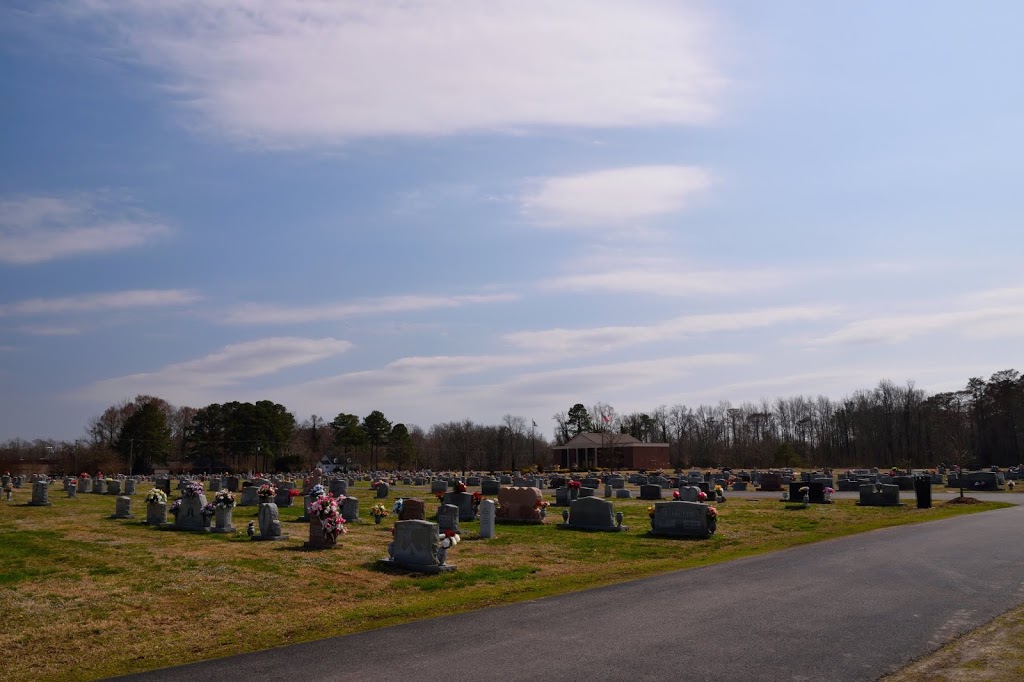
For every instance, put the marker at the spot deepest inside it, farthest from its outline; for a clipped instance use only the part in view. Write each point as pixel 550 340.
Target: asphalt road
pixel 853 608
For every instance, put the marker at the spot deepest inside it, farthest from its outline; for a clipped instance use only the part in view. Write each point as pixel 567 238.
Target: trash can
pixel 923 490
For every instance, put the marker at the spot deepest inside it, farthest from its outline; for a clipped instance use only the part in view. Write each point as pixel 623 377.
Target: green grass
pixel 73 582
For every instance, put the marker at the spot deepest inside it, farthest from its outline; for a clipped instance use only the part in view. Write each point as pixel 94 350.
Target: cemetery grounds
pixel 84 596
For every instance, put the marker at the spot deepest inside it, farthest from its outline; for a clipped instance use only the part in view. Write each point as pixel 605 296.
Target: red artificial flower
pixel 675 494
pixel 461 487
pixel 477 497
pixel 449 533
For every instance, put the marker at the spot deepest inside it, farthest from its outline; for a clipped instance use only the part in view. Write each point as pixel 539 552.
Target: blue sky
pixel 459 209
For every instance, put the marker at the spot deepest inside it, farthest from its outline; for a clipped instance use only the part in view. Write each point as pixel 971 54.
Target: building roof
pixel 604 440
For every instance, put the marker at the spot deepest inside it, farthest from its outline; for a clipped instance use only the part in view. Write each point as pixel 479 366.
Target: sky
pixel 460 210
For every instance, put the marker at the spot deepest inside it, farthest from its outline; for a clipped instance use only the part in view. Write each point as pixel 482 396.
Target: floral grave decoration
pixel 378 511
pixel 828 491
pixel 208 509
pixel 712 513
pixel 675 494
pixel 156 496
pixel 449 539
pixel 397 507
pixel 175 506
pixel 318 491
pixel 574 484
pixel 460 487
pixel 224 499
pixel 192 490
pixel 266 490
pixel 326 509
pixel 702 496
pixel 650 512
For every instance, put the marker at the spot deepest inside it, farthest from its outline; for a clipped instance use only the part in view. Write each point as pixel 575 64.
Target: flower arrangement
pixel 326 509
pixel 828 491
pixel 675 494
pixel 542 504
pixel 650 512
pixel 83 475
pixel 175 506
pixel 156 496
pixel 318 491
pixel 574 484
pixel 804 490
pixel 378 511
pixel 224 499
pixel 712 514
pixel 266 490
pixel 208 509
pixel 449 539
pixel 460 487
pixel 294 492
pixel 718 489
pixel 702 496
pixel 375 483
pixel 439 495
pixel 192 490
pixel 397 507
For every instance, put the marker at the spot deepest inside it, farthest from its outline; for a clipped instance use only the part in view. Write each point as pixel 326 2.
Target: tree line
pixel 889 425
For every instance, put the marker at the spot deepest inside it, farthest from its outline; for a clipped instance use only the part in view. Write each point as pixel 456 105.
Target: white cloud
pixel 614 197
pixel 982 323
pixel 313 72
pixel 604 339
pixel 89 303
pixel 39 229
pixel 227 367
pixel 273 314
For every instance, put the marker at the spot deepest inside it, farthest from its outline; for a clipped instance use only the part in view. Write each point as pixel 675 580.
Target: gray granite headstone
pixel 683 519
pixel 350 509
pixel 417 547
pixel 487 515
pixel 40 495
pixel 592 513
pixel 448 517
pixel 85 485
pixel 129 486
pixel 156 513
pixel 123 508
pixel 189 516
pixel 250 496
pixel 270 522
pixel 99 486
pixel 383 490
pixel 489 487
pixel 113 487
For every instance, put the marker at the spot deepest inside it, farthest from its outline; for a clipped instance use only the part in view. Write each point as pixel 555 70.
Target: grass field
pixel 85 596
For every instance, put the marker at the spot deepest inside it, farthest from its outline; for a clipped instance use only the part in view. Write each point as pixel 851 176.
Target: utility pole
pixel 131 454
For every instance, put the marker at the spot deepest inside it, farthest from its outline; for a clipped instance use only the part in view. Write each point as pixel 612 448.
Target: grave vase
pixel 712 526
pixel 222 516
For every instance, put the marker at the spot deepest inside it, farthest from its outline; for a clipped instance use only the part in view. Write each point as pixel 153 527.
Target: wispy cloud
pixel 254 313
pixel 614 197
pixel 227 367
pixel 39 229
pixel 616 273
pixel 303 73
pixel 989 322
pixel 603 339
pixel 88 303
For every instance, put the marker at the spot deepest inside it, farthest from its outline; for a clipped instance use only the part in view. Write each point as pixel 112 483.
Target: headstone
pixel 233 483
pixel 473 481
pixel 417 547
pixel 879 495
pixel 129 486
pixel 489 486
pixel 350 509
pixel 156 513
pixel 623 493
pixel 520 505
pixel 190 516
pixel 487 518
pixel 592 513
pixel 383 490
pixel 85 485
pixel 40 495
pixel 505 480
pixel 123 508
pixel 771 481
pixel 586 492
pixel 250 496
pixel 607 490
pixel 650 491
pixel 163 484
pixel 213 485
pixel 72 490
pixel 223 520
pixel 270 523
pixel 99 486
pixel 338 487
pixel 412 510
pixel 448 517
pixel 681 519
pixel 438 487
pixel 113 487
pixel 617 482
pixel 464 501
pixel 283 498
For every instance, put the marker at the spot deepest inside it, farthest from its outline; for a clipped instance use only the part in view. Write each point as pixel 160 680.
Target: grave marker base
pixel 419 568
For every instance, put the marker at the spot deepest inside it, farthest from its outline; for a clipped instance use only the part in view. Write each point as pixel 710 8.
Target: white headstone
pixel 487 514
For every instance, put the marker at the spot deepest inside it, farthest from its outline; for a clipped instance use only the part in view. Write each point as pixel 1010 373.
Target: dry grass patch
pixel 84 596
